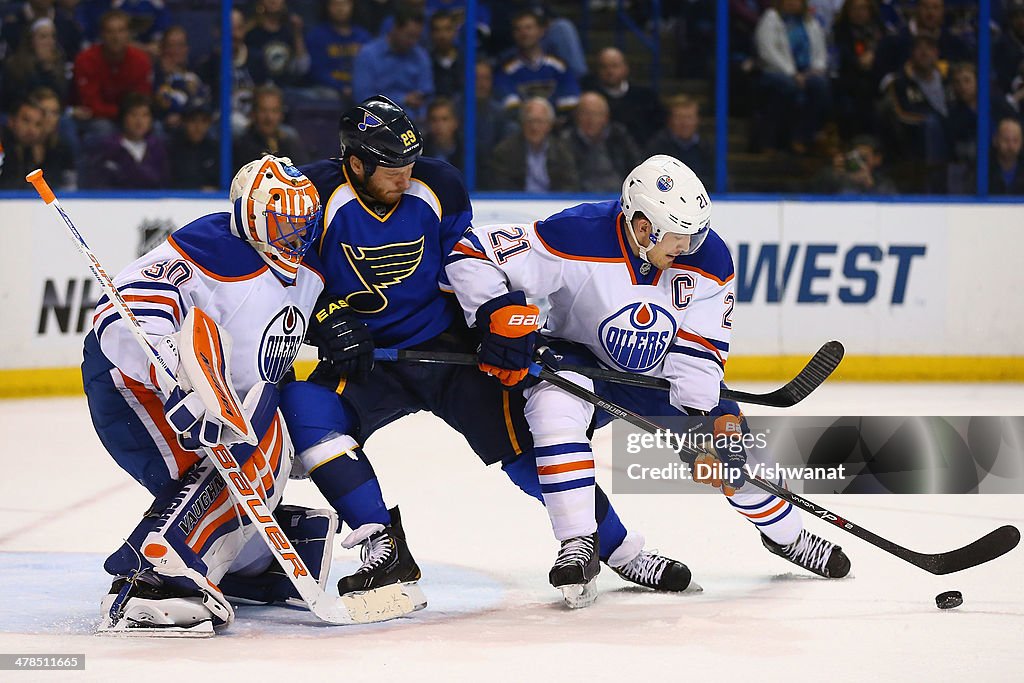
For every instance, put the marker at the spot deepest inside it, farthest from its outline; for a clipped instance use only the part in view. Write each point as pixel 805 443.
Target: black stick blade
pixel 987 548
pixel 817 370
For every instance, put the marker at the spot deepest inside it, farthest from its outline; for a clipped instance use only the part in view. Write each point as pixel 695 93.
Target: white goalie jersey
pixel 578 267
pixel 203 264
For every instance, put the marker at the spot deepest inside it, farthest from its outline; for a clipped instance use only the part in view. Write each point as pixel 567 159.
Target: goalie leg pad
pixel 148 604
pixel 311 533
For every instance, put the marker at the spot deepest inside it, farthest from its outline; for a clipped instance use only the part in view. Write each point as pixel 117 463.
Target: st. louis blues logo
pixel 379 268
pixel 665 183
pixel 637 336
pixel 369 121
pixel 280 343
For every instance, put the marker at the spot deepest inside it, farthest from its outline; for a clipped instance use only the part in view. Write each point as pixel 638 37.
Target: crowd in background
pixel 876 96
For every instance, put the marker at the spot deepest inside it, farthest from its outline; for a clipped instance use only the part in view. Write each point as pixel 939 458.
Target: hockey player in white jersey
pixel 641 284
pixel 226 301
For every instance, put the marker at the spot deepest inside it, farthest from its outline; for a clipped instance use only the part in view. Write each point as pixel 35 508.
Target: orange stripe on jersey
pixel 162 300
pixel 697 339
pixel 704 273
pixel 468 251
pixel 571 257
pixel 565 467
pixel 775 508
pixel 622 245
pixel 154 407
pixel 210 273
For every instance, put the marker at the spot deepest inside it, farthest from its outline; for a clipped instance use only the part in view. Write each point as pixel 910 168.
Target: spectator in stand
pixel 177 88
pixel 634 106
pixel 395 65
pixel 58 153
pixel 1006 170
pixel 37 62
pixel 134 158
pixel 372 13
pixel 242 83
pixel 794 88
pixel 267 133
pixel 928 20
pixel 149 19
pixel 105 73
pixel 604 151
pixel 560 38
pixel 444 54
pixel 915 117
pixel 443 139
pixel 532 72
pixel 680 138
pixel 22 145
pixel 195 164
pixel 532 159
pixel 858 171
pixel 858 31
pixel 333 45
pixel 491 118
pixel 277 50
pixel 16 25
pixel 1008 52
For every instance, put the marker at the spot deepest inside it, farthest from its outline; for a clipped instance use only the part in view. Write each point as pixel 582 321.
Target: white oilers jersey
pixel 673 324
pixel 203 264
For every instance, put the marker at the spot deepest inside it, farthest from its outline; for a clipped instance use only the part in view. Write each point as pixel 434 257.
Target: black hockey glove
pixel 341 338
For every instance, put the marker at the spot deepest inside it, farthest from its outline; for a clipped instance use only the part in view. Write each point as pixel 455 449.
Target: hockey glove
pixel 508 336
pixel 341 338
pixel 722 466
pixel 197 428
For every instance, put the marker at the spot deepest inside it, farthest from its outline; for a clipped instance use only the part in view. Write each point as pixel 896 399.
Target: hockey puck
pixel 949 599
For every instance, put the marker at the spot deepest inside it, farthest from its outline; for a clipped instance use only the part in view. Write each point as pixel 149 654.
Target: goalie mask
pixel 277 210
pixel 671 197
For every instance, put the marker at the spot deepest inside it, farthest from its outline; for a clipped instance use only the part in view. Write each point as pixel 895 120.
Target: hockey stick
pixel 987 548
pixel 351 609
pixel 818 369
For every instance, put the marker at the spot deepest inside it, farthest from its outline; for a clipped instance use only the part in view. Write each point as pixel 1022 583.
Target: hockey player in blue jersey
pixel 390 219
pixel 236 287
pixel 641 284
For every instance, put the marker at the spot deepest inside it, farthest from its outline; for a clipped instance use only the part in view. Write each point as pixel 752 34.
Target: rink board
pixel 919 291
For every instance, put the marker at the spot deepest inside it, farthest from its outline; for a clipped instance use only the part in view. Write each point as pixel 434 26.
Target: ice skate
pixel 146 605
pixel 813 553
pixel 576 569
pixel 658 572
pixel 388 567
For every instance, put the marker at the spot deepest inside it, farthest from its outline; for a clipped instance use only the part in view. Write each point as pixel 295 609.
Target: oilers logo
pixel 665 183
pixel 280 343
pixel 638 336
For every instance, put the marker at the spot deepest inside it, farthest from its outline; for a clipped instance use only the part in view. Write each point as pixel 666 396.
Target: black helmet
pixel 380 133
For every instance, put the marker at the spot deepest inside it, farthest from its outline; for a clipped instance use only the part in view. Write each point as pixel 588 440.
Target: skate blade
pixel 133 629
pixel 384 603
pixel 579 595
pixel 694 587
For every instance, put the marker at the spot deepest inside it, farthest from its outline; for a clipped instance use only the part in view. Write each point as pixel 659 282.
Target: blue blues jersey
pixel 332 55
pixel 518 80
pixel 388 268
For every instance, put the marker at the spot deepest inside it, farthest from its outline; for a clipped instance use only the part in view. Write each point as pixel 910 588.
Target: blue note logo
pixel 280 343
pixel 638 336
pixel 369 121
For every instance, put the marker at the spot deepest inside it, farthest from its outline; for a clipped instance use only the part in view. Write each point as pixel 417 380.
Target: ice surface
pixel 485 549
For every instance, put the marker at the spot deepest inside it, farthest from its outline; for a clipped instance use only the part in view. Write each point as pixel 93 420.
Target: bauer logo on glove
pixel 508 336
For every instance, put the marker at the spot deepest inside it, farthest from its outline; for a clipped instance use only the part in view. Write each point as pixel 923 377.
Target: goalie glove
pixel 508 336
pixel 341 338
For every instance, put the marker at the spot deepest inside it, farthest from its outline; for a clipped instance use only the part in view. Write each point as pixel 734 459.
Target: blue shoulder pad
pixel 713 258
pixel 585 232
pixel 209 243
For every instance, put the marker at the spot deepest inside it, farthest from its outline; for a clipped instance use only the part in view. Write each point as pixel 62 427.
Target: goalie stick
pixel 818 369
pixel 385 603
pixel 987 548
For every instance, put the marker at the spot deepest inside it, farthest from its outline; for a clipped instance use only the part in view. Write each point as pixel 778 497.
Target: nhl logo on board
pixel 665 183
pixel 280 343
pixel 637 336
